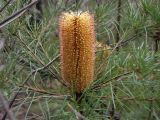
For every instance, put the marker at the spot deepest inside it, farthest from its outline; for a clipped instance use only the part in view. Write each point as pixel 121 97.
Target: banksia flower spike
pixel 77 49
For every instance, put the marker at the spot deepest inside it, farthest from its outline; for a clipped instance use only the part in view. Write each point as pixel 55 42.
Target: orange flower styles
pixel 77 49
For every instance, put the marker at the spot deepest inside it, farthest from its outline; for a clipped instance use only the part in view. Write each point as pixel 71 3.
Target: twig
pixel 16 14
pixel 6 107
pixel 118 21
pixel 38 90
pixel 98 2
pixel 156 41
pixel 114 78
pixel 126 98
pixel 8 2
pixel 79 116
pixel 123 43
pixel 54 95
pixel 112 112
pixel 47 65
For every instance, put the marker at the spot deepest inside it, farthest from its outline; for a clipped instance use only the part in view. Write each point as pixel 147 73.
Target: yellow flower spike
pixel 77 49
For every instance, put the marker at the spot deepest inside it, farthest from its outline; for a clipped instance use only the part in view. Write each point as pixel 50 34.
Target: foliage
pixel 128 80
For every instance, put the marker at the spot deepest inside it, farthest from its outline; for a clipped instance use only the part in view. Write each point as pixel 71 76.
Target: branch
pixel 114 78
pixel 58 96
pixel 8 2
pixel 6 107
pixel 78 115
pixel 126 98
pixel 47 65
pixel 16 14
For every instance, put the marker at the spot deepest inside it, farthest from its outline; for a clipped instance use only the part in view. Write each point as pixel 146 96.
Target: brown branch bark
pixel 17 14
pixel 6 107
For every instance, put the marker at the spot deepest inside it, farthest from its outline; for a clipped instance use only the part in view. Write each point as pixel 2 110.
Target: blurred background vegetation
pixel 127 74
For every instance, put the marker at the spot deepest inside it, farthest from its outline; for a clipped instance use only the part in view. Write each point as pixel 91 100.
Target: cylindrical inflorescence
pixel 77 49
